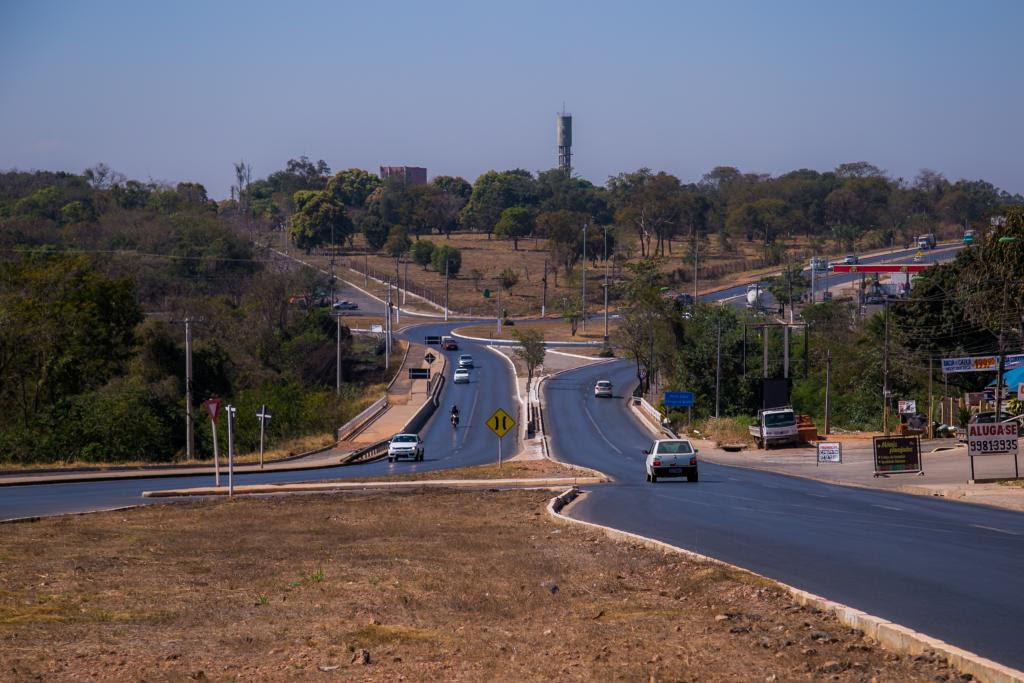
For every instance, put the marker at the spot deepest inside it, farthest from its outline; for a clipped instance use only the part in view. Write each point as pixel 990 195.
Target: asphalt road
pixel 949 569
pixel 491 386
pixel 736 296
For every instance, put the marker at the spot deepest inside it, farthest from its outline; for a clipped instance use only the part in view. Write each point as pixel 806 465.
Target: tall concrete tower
pixel 563 133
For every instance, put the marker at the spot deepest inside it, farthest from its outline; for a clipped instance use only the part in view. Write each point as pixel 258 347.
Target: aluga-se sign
pixel 992 438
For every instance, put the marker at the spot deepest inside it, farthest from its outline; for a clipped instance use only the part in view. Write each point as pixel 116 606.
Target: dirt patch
pixel 437 585
pixel 518 469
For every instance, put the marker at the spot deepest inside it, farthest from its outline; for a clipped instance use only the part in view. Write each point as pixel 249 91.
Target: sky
pixel 179 91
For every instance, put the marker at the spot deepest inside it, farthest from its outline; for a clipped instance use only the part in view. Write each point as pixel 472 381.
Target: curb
pixel 513 342
pixel 888 634
pixel 553 483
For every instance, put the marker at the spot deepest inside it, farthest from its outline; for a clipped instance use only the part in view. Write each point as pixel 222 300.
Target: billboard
pixel 981 363
pixel 830 451
pixel 993 438
pixel 896 454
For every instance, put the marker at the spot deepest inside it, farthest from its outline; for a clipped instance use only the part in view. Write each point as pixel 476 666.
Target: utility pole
pixel 544 296
pixel 190 445
pixel 584 302
pixel 387 330
pixel 764 361
pixel 696 242
pixel 885 372
pixel 931 398
pixel 785 351
pixel 828 386
pixel 789 279
pixel 497 314
pixel 606 287
pixel 405 290
pixel 337 355
pixel 446 290
pixel 718 364
pixel 398 301
pixel 366 269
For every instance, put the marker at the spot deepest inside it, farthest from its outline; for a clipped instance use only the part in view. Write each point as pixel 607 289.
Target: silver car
pixel 603 389
pixel 405 446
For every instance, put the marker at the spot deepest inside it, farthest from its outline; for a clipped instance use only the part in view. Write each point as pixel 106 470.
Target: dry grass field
pixel 398 586
pixel 489 257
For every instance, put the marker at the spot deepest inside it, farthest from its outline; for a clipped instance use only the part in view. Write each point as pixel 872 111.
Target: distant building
pixel 412 175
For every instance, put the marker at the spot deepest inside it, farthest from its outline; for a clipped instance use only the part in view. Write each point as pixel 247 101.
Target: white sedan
pixel 461 376
pixel 405 446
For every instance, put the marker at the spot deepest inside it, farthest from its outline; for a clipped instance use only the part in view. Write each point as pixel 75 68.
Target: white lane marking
pixel 816 495
pixel 598 429
pixel 886 507
pixel 992 528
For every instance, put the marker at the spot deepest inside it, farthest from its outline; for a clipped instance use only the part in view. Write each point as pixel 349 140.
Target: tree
pixel 447 254
pixel 530 351
pixel 508 278
pixel 423 252
pixel 515 223
pixel 493 192
pixel 651 204
pixel 398 242
pixel 564 231
pixel 352 186
pixel 318 218
pixel 572 313
pixel 790 285
pixel 858 169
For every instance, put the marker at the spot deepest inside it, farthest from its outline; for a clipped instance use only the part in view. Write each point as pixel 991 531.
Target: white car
pixel 671 458
pixel 345 306
pixel 465 361
pixel 405 446
pixel 461 376
pixel 603 389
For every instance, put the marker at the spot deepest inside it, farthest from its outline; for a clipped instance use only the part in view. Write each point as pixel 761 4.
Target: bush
pixel 423 253
pixel 450 254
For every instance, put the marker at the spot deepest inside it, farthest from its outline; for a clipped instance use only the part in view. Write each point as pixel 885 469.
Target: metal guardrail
pixel 356 424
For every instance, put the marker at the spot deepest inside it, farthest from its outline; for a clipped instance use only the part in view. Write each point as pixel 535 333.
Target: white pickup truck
pixel 775 427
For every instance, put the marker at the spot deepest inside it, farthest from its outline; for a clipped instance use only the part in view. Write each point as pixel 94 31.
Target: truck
pixel 926 241
pixel 969 236
pixel 775 427
pixel 754 293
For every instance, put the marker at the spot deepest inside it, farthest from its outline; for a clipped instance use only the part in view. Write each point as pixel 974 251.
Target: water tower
pixel 563 132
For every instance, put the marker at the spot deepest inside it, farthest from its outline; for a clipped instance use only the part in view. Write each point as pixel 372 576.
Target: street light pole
pixel 584 302
pixel 606 287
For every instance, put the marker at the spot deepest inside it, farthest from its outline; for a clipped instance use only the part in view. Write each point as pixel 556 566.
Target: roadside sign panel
pixel 213 407
pixel 830 451
pixel 430 358
pixel 500 423
pixel 907 407
pixel 377 329
pixel 433 339
pixel 419 373
pixel 981 363
pixel 897 454
pixel 999 438
pixel 1020 391
pixel 678 399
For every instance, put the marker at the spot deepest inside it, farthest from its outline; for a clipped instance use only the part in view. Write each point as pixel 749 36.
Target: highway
pixel 491 386
pixel 949 569
pixel 736 296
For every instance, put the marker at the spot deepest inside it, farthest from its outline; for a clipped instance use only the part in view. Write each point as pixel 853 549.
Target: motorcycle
pixel 455 420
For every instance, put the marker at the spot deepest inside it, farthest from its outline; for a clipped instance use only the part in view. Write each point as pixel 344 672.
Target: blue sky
pixel 179 91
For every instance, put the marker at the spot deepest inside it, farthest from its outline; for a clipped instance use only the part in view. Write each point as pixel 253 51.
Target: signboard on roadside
pixel 419 373
pixel 432 339
pixel 1020 391
pixel 678 399
pixel 377 329
pixel 897 454
pixel 981 363
pixel 993 438
pixel 500 423
pixel 213 407
pixel 830 451
pixel 907 407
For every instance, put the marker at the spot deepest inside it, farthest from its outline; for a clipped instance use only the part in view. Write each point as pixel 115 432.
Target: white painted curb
pixel 891 636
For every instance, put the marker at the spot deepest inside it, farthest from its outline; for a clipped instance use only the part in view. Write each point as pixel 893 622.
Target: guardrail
pixel 363 419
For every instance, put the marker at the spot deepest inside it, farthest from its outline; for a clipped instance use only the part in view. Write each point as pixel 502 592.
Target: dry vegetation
pixel 440 585
pixel 719 268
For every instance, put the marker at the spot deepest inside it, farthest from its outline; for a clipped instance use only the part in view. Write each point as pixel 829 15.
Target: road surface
pixel 952 570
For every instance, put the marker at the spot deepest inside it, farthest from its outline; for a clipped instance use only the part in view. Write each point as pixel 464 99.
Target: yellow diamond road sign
pixel 500 423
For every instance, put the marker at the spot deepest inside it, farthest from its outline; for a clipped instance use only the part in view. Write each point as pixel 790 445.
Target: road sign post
pixel 262 416
pixel 231 449
pixel 500 423
pixel 213 407
pixel 896 454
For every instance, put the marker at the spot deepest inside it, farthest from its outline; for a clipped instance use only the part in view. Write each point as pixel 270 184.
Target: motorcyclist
pixel 455 415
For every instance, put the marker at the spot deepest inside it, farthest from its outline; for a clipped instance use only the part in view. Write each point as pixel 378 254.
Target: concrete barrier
pixel 357 423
